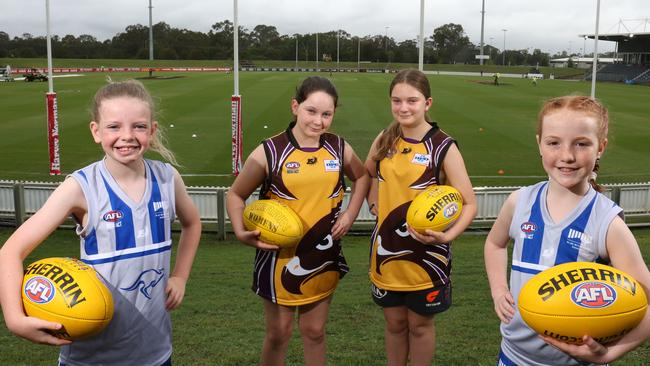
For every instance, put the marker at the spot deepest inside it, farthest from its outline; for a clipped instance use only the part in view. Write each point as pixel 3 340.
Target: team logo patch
pixel 113 216
pixel 332 166
pixel 431 296
pixel 146 281
pixel 421 159
pixel 377 292
pixel 40 290
pixel 528 230
pixel 292 167
pixel 593 295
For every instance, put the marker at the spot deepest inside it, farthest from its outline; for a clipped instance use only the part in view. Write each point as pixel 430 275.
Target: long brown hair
pixel 388 139
pixel 586 105
pixel 133 89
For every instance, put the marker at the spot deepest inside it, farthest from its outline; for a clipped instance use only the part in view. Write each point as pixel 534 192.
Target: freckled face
pixel 569 146
pixel 124 129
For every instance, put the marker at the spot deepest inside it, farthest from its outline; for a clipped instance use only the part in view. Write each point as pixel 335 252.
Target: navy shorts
pixel 424 302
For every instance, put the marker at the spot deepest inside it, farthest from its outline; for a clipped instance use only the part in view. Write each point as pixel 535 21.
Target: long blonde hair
pixel 586 105
pixel 388 139
pixel 134 89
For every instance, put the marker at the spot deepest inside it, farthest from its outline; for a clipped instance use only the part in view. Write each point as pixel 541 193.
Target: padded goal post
pixel 237 145
pixel 53 133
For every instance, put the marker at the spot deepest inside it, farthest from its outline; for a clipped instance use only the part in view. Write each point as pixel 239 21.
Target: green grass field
pixel 494 125
pixel 220 321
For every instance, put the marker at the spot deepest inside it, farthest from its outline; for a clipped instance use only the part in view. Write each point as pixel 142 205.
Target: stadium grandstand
pixel 632 54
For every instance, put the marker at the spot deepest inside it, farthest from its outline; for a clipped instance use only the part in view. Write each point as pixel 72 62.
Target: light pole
pixel 150 38
pixel 482 26
pixel 504 46
pixel 491 47
pixel 338 36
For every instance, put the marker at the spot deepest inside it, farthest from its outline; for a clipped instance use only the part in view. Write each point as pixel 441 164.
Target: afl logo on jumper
pixel 113 216
pixel 528 230
pixel 292 167
pixel 593 295
pixel 40 290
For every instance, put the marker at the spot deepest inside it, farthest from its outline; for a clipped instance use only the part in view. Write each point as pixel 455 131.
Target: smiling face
pixel 408 105
pixel 313 116
pixel 124 130
pixel 569 145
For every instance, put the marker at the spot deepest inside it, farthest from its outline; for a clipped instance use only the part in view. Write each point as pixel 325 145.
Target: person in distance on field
pixel 303 167
pixel 149 194
pixel 572 136
pixel 410 272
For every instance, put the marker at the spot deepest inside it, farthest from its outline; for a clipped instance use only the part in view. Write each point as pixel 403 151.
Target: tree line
pixel 447 44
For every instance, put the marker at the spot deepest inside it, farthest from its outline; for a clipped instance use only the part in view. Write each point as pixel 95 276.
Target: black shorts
pixel 424 302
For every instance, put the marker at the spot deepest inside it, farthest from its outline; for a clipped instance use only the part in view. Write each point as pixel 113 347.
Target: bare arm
pixel 252 176
pixel 188 215
pixel 67 199
pixel 495 253
pixel 371 168
pixel 356 172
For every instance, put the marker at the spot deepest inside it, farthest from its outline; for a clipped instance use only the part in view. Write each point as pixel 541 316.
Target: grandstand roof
pixel 617 37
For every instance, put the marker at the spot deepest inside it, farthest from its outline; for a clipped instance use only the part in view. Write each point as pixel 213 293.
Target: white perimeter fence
pixel 19 200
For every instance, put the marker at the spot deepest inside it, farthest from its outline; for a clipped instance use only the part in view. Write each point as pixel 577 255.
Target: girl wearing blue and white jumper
pixel 124 206
pixel 564 219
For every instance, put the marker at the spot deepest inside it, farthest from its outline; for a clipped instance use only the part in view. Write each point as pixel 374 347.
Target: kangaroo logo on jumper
pixel 593 295
pixel 146 281
pixel 528 230
pixel 40 290
pixel 113 216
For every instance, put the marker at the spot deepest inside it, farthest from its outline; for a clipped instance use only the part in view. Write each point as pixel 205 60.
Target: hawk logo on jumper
pixel 332 166
pixel 528 230
pixel 377 292
pixel 421 159
pixel 40 290
pixel 593 295
pixel 292 167
pixel 113 216
pixel 146 281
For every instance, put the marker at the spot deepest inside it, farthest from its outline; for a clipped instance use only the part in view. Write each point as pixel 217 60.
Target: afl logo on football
pixel 450 210
pixel 292 165
pixel 593 295
pixel 113 216
pixel 40 290
pixel 528 227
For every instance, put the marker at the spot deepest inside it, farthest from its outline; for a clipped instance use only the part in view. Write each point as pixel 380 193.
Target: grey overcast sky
pixel 550 25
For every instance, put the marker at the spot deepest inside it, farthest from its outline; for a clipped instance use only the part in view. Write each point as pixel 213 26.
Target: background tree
pixel 449 40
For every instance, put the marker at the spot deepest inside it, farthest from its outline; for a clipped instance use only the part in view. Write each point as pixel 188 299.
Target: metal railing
pixel 19 200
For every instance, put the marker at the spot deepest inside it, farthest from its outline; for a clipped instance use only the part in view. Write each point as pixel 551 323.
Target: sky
pixel 550 25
